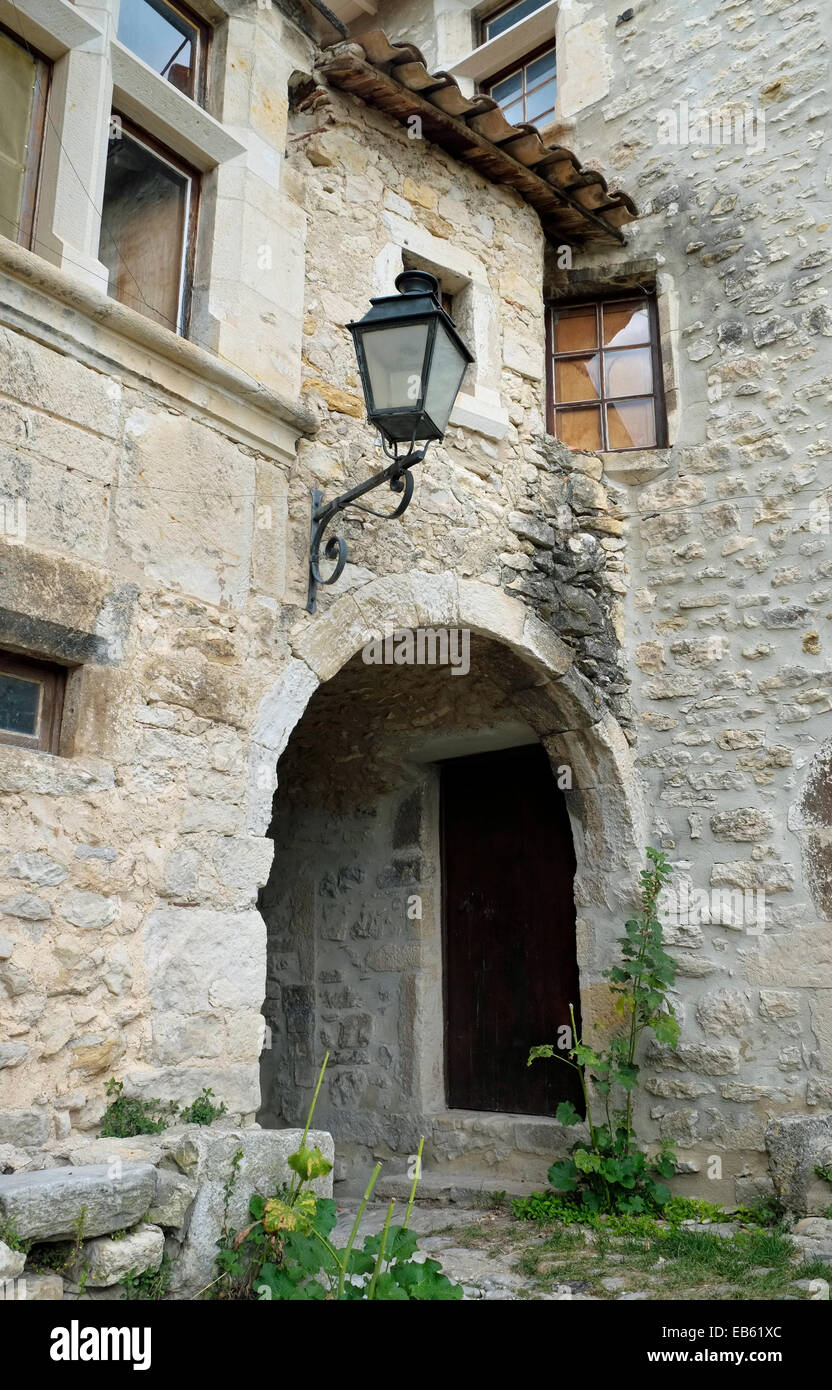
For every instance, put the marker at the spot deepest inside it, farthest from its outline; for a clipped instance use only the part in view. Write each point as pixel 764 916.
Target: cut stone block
pixel 797 1144
pixel 36 1288
pixel 105 1261
pixel 52 1204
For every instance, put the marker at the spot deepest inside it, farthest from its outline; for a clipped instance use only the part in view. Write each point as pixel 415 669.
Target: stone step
pixel 465 1188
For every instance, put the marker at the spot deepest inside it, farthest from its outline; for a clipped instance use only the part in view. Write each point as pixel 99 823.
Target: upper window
pixel 31 700
pixel 604 374
pixel 148 226
pixel 508 16
pixel 24 79
pixel 170 39
pixel 527 90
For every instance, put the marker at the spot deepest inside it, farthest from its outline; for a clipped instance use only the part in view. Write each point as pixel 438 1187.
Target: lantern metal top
pixel 417 298
pixel 411 372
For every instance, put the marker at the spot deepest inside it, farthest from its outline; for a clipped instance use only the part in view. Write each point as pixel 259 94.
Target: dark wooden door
pixel 509 931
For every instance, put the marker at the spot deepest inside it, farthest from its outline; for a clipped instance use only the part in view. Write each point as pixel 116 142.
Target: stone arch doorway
pixel 356 831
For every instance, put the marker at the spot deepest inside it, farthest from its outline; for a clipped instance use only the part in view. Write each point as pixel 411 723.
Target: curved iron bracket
pixel 400 478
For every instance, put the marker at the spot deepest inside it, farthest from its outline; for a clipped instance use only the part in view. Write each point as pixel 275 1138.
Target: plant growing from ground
pixel 284 1253
pixel 151 1284
pixel 611 1172
pixel 202 1111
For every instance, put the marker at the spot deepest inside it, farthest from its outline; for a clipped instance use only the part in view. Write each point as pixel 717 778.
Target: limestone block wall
pixel 154 480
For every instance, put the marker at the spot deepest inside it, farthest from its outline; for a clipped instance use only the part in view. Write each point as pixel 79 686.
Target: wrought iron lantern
pixel 411 360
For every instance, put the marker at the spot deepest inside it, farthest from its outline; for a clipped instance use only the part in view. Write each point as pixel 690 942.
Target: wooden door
pixel 511 970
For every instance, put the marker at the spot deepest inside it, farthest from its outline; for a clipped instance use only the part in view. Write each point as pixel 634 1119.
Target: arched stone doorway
pixel 357 845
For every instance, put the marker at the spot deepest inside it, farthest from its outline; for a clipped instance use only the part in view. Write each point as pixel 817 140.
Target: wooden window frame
pixel 37 131
pixel 52 680
pixel 657 393
pixel 205 34
pixel 520 65
pixel 186 279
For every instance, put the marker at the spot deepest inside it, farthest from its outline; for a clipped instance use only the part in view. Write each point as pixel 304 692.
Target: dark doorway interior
pixel 511 972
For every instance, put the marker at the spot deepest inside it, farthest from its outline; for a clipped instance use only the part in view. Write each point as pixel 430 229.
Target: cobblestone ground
pixel 494 1256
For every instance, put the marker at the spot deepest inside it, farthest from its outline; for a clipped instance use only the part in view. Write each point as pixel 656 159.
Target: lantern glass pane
pixel 395 360
pixel 446 371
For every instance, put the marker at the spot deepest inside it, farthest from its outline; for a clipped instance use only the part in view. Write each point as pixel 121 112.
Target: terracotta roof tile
pixel 574 203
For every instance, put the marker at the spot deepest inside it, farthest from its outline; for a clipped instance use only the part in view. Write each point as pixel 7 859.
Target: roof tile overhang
pixel 575 204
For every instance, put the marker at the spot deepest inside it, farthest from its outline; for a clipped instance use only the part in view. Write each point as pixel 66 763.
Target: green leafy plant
pixel 128 1115
pixel 149 1285
pixel 9 1237
pixel 769 1211
pixel 285 1254
pixel 202 1111
pixel 611 1172
pixel 692 1209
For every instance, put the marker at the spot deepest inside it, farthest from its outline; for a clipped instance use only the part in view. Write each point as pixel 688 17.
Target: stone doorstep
pixel 458 1187
pixel 534 1134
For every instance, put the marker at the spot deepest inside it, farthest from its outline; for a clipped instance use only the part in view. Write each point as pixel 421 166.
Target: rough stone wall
pixel 501 502
pixel 130 943
pixel 165 562
pixel 728 544
pixel 166 557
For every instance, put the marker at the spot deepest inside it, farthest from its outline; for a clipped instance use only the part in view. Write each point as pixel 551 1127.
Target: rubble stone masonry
pixel 673 606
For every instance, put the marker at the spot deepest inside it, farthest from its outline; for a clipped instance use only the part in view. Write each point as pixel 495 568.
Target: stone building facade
pixel 179 910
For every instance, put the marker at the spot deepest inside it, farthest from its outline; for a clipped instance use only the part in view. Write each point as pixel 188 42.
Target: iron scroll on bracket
pixel 400 478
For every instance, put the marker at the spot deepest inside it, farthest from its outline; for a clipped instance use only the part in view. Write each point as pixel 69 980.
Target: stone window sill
pixel 635 466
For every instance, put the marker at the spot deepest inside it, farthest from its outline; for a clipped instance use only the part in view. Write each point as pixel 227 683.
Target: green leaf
pixel 308 1252
pixel 563 1176
pixel 544 1050
pixel 401 1244
pixel 388 1290
pixel 587 1162
pixel 566 1114
pixel 666 1029
pixel 326 1215
pixel 277 1281
pixel 309 1163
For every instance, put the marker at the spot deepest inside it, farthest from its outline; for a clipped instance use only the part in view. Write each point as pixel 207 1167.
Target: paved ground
pixel 494 1256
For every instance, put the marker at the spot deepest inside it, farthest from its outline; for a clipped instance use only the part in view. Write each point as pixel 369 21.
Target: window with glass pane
pixel 605 374
pixel 31 700
pixel 147 228
pixel 24 79
pixel 170 39
pixel 505 18
pixel 528 92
